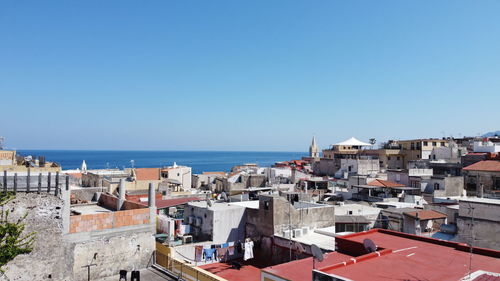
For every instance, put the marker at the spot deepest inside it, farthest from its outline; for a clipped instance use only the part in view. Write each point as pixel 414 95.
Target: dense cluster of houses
pixel 406 204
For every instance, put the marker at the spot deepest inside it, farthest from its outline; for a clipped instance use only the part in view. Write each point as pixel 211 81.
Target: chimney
pixel 121 194
pixel 151 196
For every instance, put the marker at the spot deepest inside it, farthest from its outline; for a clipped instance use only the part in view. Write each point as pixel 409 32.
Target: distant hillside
pixel 491 134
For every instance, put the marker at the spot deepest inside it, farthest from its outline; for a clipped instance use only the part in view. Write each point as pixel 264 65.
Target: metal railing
pixel 34 183
pixel 181 270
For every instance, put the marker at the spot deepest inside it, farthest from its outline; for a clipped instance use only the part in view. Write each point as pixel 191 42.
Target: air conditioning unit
pixel 305 230
pixel 187 239
pixel 297 232
pixel 197 222
pixel 286 234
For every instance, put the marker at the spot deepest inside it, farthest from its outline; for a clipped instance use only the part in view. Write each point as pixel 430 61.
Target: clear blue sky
pixel 245 75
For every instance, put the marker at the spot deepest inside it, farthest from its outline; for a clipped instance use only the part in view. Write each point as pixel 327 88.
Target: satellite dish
pixel 224 196
pixel 369 245
pixel 317 253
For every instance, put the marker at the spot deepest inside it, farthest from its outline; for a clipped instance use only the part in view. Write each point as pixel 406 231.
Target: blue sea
pixel 200 161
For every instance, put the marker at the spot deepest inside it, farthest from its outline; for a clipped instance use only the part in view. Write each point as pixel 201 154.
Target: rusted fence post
pixel 5 181
pixel 15 183
pixel 28 177
pixel 39 183
pixel 57 184
pixel 48 182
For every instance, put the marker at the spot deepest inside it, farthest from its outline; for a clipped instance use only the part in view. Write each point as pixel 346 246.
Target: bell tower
pixel 313 149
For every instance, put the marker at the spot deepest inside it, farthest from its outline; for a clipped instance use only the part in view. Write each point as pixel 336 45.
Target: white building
pixel 486 146
pixel 179 174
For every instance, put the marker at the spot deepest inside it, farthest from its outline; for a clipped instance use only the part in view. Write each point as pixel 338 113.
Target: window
pixel 496 183
pixel 471 183
pixel 434 143
pixel 398 158
pixel 178 174
pixel 350 212
pixel 426 143
pixel 389 158
pixel 442 143
pixel 266 205
pixel 412 146
pixel 436 186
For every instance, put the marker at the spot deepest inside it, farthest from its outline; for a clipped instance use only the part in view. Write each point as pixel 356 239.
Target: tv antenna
pixel 2 139
pixel 370 246
pixel 317 254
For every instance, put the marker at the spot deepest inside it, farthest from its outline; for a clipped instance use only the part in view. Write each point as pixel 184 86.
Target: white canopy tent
pixel 353 142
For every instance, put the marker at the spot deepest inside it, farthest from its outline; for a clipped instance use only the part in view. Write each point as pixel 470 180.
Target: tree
pixel 12 240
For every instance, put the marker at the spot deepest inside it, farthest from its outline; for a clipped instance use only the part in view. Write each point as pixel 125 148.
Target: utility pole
pixel 290 223
pixel 471 211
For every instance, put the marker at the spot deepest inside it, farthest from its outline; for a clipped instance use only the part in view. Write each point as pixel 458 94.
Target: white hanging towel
pixel 248 251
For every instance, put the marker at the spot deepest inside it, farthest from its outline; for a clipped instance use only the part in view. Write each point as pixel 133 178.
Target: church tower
pixel 313 149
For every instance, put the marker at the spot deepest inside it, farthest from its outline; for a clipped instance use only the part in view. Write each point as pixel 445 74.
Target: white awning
pixel 353 142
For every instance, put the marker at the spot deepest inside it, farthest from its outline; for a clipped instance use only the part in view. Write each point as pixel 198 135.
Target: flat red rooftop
pixel 300 270
pixel 410 257
pixel 225 270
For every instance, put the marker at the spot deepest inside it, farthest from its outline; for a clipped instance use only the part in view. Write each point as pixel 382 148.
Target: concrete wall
pixel 399 177
pixel 229 225
pixel 486 224
pixel 205 231
pixel 324 167
pixel 220 224
pixel 360 166
pixel 446 186
pixel 275 215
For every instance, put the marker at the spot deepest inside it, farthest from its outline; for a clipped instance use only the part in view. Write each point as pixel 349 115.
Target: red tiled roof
pixel 144 174
pixel 487 165
pixel 214 173
pixel 161 204
pixel 76 175
pixel 426 215
pixel 383 183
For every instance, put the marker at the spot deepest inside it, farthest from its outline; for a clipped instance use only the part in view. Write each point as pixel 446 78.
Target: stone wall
pixel 125 242
pixel 114 251
pixel 48 260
